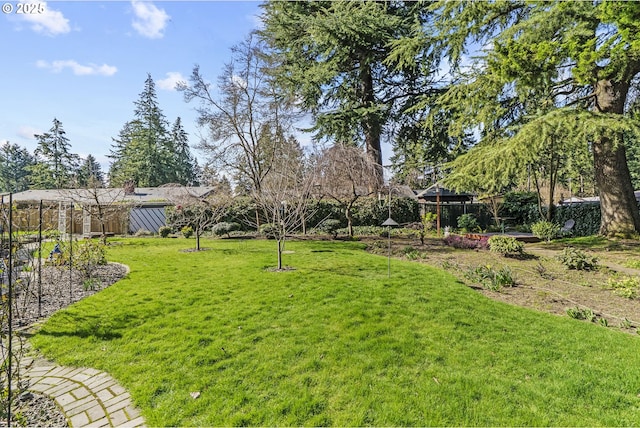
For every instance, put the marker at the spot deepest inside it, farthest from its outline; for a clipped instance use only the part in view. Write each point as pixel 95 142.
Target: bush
pixel 268 229
pixel 545 230
pixel 143 232
pixel 164 231
pixel 457 241
pixel 491 279
pixel 225 228
pixel 582 314
pixel 88 256
pixel 467 222
pixel 625 287
pixel 521 206
pixel 330 226
pixel 508 246
pixel 187 231
pixel 573 258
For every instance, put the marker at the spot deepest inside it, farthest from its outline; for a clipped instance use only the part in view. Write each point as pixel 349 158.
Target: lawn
pixel 335 342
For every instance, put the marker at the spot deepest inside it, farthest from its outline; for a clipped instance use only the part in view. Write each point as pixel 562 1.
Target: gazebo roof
pixel 430 194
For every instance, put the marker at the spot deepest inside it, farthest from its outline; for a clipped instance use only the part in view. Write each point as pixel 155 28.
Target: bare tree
pixel 100 204
pixel 198 212
pixel 345 174
pixel 245 119
pixel 283 201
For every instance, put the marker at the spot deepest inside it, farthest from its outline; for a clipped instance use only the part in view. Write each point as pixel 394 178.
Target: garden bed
pixel 542 282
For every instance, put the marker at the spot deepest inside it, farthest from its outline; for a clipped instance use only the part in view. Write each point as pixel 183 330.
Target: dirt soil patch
pixel 542 282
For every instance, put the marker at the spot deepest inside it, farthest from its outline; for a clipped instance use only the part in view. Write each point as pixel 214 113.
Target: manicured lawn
pixel 335 342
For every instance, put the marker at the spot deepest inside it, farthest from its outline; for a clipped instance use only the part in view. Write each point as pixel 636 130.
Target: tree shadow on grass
pixel 99 327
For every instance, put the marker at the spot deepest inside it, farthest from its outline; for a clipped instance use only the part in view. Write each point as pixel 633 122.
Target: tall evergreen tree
pixel 55 166
pixel 90 173
pixel 185 166
pixel 15 165
pixel 143 151
pixel 335 61
pixel 579 57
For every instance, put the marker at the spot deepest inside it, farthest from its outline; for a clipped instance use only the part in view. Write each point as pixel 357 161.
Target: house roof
pixel 141 196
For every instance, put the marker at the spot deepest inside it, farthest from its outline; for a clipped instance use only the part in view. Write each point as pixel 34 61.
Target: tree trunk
pixel 279 254
pixel 618 204
pixel 197 239
pixel 371 125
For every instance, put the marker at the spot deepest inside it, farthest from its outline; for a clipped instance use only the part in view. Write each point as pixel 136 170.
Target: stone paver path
pixel 87 397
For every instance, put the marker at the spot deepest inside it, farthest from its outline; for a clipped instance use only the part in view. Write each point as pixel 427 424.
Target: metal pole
pixel 10 311
pixel 71 256
pixel 389 252
pixel 40 261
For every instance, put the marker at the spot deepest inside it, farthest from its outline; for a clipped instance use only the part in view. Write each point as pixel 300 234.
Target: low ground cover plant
pixel 491 278
pixel 573 258
pixel 626 286
pixel 334 342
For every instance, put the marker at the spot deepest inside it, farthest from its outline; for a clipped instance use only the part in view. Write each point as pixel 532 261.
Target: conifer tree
pixel 185 165
pixel 55 166
pixel 335 62
pixel 90 173
pixel 568 66
pixel 144 149
pixel 15 164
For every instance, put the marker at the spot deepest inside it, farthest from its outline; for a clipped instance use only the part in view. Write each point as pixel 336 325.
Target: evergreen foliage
pixel 55 167
pixel 15 165
pixel 333 57
pixel 146 151
pixel 552 83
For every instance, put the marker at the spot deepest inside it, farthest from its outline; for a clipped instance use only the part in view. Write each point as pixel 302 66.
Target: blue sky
pixel 85 63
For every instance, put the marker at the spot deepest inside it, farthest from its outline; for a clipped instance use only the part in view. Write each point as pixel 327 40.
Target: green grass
pixel 335 342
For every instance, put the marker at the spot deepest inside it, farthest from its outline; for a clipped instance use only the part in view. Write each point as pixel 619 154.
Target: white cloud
pixel 3 142
pixel 149 20
pixel 28 132
pixel 44 20
pixel 169 84
pixel 78 69
pixel 238 81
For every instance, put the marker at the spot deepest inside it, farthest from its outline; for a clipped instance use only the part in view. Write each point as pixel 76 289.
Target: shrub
pixel 491 279
pixel 143 232
pixel 268 229
pixel 187 231
pixel 428 221
pixel 545 230
pixel 164 231
pixel 573 258
pixel 225 228
pixel 467 222
pixel 582 314
pixel 625 287
pixel 505 245
pixel 88 256
pixel 330 226
pixel 457 241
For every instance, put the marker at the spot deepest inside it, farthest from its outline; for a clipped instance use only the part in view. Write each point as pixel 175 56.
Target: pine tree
pixel 90 173
pixel 143 151
pixel 334 59
pixel 185 171
pixel 55 166
pixel 15 164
